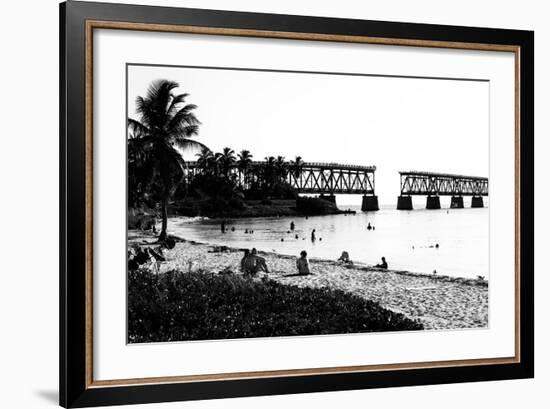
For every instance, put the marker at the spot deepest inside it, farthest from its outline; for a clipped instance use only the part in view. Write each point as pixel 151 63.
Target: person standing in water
pixel 292 226
pixel 223 226
pixel 302 264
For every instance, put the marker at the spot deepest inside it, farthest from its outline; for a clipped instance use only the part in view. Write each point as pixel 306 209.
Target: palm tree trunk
pixel 163 232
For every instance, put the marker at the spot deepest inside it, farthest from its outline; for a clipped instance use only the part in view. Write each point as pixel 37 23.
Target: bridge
pixel 325 179
pixel 434 185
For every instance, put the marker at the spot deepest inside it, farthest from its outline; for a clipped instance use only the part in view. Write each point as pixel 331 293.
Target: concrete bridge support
pixel 370 203
pixel 477 201
pixel 404 203
pixel 457 202
pixel 432 202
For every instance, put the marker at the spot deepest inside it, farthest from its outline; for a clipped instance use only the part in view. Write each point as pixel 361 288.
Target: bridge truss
pixel 313 177
pixel 442 184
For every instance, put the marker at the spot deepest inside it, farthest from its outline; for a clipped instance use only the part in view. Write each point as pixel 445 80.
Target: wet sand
pixel 439 302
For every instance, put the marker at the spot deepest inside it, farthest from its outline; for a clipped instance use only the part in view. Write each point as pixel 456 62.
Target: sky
pixel 392 123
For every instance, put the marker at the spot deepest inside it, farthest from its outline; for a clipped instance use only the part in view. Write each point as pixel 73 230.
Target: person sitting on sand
pixel 248 264
pixel 259 262
pixel 345 258
pixel 313 235
pixel 302 264
pixel 369 227
pixel 383 264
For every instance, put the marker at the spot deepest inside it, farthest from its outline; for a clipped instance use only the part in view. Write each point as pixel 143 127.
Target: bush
pixel 314 205
pixel 205 185
pixel 141 218
pixel 178 306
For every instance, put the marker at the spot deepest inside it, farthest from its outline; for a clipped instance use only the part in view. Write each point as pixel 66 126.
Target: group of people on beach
pixel 252 263
pixel 344 258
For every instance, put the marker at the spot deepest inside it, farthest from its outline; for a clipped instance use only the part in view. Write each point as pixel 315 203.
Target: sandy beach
pixel 439 302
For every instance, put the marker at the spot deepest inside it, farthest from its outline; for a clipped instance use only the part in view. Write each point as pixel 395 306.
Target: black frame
pixel 73 392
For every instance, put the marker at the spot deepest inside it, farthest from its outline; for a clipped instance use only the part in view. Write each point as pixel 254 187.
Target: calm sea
pixel 406 238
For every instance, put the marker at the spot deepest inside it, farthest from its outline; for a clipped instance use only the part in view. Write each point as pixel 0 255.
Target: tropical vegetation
pixel 165 126
pixel 161 181
pixel 178 306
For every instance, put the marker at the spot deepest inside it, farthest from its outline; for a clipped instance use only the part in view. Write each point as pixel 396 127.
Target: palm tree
pixel 205 160
pixel 243 164
pixel 269 171
pixel 139 176
pixel 217 163
pixel 297 167
pixel 281 168
pixel 165 127
pixel 227 161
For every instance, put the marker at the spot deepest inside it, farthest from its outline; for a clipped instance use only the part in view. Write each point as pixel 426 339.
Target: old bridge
pixel 325 179
pixel 434 185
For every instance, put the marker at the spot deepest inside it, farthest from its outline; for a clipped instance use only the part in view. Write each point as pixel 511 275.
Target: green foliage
pixel 209 185
pixel 178 306
pixel 313 205
pixel 277 190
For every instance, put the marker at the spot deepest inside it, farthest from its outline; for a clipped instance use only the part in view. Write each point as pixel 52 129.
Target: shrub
pixel 314 205
pixel 211 185
pixel 178 306
pixel 141 218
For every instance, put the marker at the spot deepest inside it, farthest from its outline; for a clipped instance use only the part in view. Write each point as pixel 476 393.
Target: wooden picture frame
pixel 77 385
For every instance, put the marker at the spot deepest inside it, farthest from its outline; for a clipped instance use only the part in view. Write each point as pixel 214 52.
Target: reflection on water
pixel 403 237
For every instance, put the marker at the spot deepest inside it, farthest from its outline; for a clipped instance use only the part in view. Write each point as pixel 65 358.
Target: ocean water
pixel 406 239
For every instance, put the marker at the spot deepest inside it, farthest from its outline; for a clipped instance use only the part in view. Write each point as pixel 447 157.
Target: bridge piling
pixel 432 202
pixel 434 185
pixel 457 202
pixel 370 203
pixel 477 201
pixel 404 203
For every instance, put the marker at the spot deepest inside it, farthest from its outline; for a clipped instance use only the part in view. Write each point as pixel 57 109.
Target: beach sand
pixel 439 302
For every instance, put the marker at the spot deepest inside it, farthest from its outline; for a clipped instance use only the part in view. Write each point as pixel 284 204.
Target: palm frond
pixel 137 129
pixel 177 100
pixel 152 109
pixel 143 108
pixel 182 120
pixel 189 144
pixel 160 92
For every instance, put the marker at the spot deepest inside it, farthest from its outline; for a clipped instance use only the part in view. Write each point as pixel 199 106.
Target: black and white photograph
pixel 271 203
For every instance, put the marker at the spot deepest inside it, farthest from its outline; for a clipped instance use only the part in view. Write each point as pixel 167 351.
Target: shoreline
pixel 248 208
pixel 439 302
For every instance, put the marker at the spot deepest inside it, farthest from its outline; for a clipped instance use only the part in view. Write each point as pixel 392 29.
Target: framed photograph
pixel 257 204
